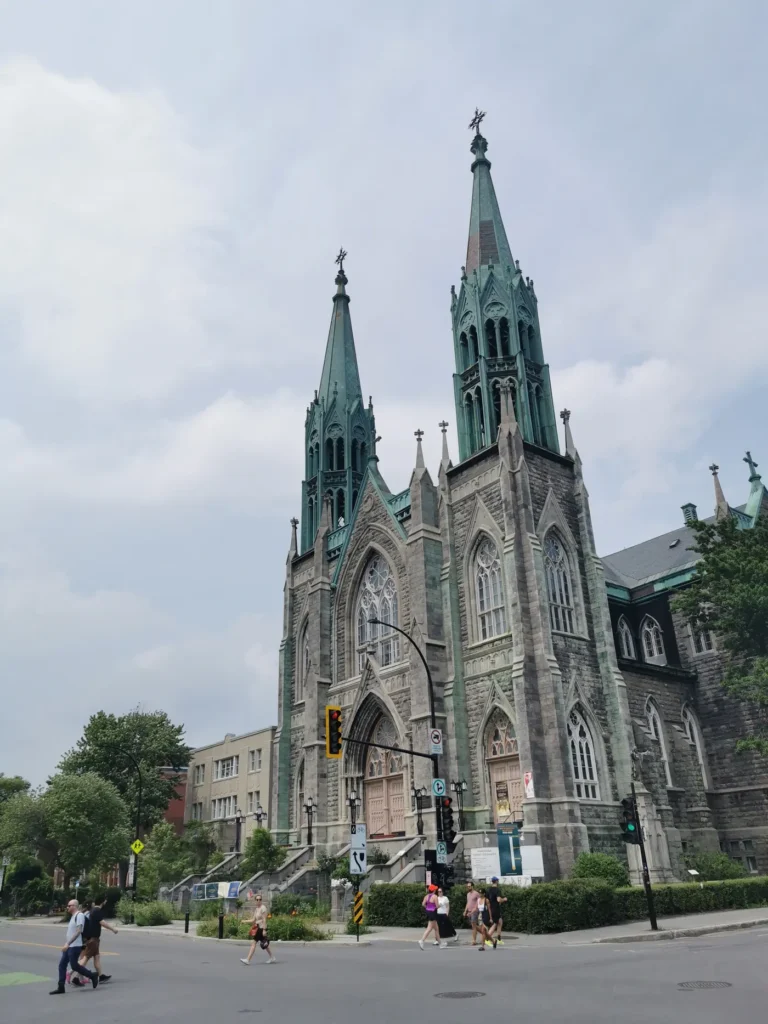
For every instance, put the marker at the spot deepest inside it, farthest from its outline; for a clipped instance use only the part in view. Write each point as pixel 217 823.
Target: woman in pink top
pixel 430 906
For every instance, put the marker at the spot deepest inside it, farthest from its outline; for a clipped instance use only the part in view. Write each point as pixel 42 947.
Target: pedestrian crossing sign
pixel 137 846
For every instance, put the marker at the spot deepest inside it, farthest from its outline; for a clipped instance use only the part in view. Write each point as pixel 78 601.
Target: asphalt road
pixel 164 978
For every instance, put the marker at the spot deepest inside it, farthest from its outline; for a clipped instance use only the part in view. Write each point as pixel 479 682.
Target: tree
pixel 200 843
pixel 78 823
pixel 10 786
pixel 165 859
pixel 149 737
pixel 261 853
pixel 729 597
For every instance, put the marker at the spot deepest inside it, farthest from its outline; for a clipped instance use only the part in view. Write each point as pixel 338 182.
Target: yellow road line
pixel 43 945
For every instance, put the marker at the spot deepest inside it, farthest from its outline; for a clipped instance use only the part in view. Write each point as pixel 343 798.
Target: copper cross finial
pixel 751 463
pixel 294 522
pixel 443 425
pixel 418 434
pixel 714 468
pixel 565 415
pixel 340 260
pixel 477 120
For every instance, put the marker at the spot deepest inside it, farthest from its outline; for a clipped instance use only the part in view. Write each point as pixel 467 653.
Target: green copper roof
pixel 340 378
pixel 487 237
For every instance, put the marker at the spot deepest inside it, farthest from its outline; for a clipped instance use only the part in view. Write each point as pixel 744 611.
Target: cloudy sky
pixel 175 180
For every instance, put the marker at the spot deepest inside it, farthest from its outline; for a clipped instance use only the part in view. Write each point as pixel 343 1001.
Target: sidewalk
pixel 634 931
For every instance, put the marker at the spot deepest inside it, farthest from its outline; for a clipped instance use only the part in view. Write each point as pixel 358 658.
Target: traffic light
pixel 630 826
pixel 449 832
pixel 333 732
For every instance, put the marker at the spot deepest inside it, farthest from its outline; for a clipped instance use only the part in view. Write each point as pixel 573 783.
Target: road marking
pixel 20 978
pixel 44 945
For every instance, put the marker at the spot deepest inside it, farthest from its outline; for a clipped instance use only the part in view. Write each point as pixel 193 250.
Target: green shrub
pixel 124 909
pixel 286 929
pixel 203 910
pixel 396 905
pixel 377 856
pixel 601 865
pixel 285 903
pixel 567 905
pixel 715 866
pixel 151 914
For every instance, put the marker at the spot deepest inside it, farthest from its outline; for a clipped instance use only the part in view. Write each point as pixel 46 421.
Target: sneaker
pixel 244 961
pixel 76 982
pixel 489 942
pixel 95 981
pixel 494 943
pixel 104 977
pixel 421 943
pixel 500 941
pixel 58 991
pixel 443 945
pixel 436 942
pixel 69 977
pixel 481 949
pixel 272 960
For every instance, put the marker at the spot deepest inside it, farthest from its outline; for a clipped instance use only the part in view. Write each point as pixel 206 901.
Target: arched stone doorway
pixel 384 784
pixel 503 766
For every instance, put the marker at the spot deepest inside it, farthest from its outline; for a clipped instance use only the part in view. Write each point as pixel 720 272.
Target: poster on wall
pixel 528 783
pixel 485 863
pixel 503 808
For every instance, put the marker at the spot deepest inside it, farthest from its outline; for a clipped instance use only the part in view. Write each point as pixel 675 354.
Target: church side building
pixel 492 570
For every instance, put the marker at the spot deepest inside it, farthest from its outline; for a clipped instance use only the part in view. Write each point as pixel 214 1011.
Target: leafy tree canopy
pixel 261 853
pixel 729 597
pixel 10 785
pixel 200 842
pixel 149 737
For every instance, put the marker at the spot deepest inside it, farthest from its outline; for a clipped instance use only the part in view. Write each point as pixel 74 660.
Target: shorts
pixel 431 915
pixel 91 947
pixel 474 917
pixel 496 916
pixel 485 918
pixel 260 936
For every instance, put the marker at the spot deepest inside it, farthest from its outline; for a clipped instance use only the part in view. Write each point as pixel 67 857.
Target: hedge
pixel 571 904
pixel 285 929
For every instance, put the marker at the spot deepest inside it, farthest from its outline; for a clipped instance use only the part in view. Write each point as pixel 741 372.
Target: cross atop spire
pixel 340 260
pixel 753 474
pixel 418 434
pixel 477 120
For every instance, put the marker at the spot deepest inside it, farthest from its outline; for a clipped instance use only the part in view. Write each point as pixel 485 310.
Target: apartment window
pixel 254 799
pixel 226 768
pixel 254 760
pixel 735 848
pixel 752 865
pixel 749 846
pixel 223 807
pixel 197 812
pixel 199 774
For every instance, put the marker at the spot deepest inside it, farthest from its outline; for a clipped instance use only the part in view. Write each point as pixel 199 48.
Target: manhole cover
pixel 249 1011
pixel 458 995
pixel 688 986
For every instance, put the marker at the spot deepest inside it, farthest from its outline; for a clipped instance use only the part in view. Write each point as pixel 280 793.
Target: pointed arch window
pixel 561 611
pixel 473 349
pixel 464 351
pixel 703 642
pixel 626 640
pixel 501 741
pixel 302 666
pixel 653 642
pixel 583 758
pixel 657 731
pixel 490 339
pixel 693 732
pixel 504 347
pixel 377 599
pixel 489 589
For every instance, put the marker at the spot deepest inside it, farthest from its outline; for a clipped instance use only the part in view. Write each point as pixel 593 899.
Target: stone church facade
pixel 492 570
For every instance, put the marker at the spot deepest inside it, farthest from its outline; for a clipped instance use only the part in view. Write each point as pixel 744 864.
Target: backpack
pixel 88 929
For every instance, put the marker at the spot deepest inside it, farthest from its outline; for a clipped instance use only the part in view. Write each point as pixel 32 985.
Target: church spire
pixel 756 491
pixel 496 331
pixel 340 431
pixel 722 511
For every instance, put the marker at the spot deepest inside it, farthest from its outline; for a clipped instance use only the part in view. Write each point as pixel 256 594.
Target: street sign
pixel 137 846
pixel 441 849
pixel 358 836
pixel 358 862
pixel 6 860
pixel 438 787
pixel 436 741
pixel 357 911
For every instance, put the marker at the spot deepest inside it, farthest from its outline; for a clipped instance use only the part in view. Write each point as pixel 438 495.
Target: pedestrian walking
pixel 483 918
pixel 91 936
pixel 258 933
pixel 495 899
pixel 470 910
pixel 430 908
pixel 71 950
pixel 444 924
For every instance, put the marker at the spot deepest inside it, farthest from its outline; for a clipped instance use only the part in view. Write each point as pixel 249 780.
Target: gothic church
pixel 554 670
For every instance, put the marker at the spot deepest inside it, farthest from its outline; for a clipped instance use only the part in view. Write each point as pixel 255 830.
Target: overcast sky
pixel 175 180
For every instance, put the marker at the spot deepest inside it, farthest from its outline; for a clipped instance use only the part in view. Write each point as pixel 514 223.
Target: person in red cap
pixel 430 906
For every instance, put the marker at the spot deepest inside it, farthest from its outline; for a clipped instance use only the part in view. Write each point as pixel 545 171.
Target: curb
pixel 684 933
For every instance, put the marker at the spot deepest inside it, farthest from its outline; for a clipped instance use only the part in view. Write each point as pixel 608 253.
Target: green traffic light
pixel 630 826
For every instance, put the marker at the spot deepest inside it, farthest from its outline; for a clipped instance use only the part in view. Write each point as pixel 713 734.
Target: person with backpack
pixel 94 920
pixel 71 950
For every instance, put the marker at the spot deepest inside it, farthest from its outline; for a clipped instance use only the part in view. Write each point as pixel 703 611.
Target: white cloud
pixel 107 267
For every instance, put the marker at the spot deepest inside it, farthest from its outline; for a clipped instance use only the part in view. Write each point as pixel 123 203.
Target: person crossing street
pixel 258 933
pixel 71 950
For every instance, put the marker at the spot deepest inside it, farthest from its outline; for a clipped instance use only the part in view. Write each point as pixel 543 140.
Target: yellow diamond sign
pixel 137 846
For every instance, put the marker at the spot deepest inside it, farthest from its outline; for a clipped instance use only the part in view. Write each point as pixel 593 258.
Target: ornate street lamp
pixel 309 807
pixel 460 788
pixel 352 802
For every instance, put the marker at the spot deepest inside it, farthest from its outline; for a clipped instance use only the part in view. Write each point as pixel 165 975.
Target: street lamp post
pixel 238 828
pixel 259 814
pixel 460 788
pixel 418 795
pixel 352 804
pixel 309 807
pixel 137 766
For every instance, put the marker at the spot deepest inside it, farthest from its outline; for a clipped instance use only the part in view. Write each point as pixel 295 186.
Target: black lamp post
pixel 418 795
pixel 309 807
pixel 460 788
pixel 238 828
pixel 136 765
pixel 259 814
pixel 352 802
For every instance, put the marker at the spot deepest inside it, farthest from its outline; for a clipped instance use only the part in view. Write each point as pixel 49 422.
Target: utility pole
pixel 643 859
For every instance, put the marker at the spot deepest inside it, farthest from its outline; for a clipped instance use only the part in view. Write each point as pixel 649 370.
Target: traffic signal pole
pixel 644 861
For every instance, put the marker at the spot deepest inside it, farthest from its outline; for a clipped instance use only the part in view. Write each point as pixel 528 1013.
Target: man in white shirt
pixel 70 953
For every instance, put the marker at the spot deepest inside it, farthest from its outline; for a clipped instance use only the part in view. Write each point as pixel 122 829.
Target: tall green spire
pixel 496 331
pixel 340 433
